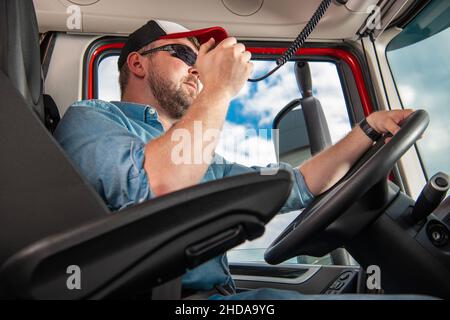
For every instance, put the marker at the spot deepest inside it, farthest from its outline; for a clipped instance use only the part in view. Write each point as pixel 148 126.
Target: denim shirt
pixel 106 142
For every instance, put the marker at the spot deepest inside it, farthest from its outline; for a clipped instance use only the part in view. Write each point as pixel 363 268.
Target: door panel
pixel 306 279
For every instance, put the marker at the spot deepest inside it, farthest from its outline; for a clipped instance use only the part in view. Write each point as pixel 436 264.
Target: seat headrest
pixel 19 51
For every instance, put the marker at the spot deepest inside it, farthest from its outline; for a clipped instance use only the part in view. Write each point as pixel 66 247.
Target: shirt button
pixel 151 111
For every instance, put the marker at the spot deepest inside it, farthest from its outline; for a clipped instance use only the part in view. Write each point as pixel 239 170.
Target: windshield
pixel 420 63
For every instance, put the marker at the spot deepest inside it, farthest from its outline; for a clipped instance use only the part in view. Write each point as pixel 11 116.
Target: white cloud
pixel 408 95
pixel 108 75
pixel 279 89
pixel 249 148
pixel 421 72
pixel 271 94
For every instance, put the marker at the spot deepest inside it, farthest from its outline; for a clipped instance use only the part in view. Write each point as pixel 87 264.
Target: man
pixel 172 78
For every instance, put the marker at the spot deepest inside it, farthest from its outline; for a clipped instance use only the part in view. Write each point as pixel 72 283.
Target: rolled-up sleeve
pixel 300 195
pixel 109 156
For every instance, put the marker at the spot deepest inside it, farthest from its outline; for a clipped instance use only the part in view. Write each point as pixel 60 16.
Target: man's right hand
pixel 224 68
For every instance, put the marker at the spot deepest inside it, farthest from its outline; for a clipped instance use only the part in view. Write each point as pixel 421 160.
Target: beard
pixel 172 97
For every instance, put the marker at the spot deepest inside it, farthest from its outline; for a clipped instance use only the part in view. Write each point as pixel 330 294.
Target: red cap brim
pixel 203 35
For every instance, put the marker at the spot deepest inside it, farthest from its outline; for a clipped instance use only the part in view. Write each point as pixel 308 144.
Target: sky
pixel 422 73
pixel 255 107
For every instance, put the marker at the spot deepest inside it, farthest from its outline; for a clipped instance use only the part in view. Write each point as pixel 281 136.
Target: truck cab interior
pixel 387 219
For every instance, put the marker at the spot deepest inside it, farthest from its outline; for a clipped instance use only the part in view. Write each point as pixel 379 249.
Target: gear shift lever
pixel 431 196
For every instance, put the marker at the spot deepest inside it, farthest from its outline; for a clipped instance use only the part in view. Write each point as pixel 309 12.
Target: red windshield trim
pixel 340 54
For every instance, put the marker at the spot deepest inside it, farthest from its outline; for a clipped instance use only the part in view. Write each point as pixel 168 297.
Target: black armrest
pixel 131 251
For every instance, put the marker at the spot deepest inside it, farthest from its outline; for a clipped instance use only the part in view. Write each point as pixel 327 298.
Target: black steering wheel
pixel 371 168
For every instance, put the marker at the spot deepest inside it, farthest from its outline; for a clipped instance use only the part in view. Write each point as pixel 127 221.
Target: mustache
pixel 191 78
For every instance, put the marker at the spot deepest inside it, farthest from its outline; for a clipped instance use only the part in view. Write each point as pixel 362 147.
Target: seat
pixel 51 218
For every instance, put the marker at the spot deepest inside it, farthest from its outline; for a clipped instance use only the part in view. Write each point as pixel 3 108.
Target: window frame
pixel 97 50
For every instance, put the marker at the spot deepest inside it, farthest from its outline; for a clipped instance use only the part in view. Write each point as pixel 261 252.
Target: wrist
pixel 216 93
pixel 366 126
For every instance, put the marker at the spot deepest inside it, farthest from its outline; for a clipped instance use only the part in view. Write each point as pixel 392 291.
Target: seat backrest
pixel 41 193
pixel 20 53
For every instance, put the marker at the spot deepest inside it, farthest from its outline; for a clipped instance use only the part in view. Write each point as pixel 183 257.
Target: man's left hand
pixel 388 121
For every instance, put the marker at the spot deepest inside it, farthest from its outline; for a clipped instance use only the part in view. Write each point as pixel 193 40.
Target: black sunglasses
pixel 180 51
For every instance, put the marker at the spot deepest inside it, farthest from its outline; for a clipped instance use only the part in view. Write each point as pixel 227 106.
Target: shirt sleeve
pixel 109 156
pixel 300 195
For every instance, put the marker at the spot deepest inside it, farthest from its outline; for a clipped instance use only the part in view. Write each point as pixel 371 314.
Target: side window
pixel 420 64
pixel 108 79
pixel 253 111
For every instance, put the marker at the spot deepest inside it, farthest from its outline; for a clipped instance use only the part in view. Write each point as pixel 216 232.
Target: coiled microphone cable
pixel 300 40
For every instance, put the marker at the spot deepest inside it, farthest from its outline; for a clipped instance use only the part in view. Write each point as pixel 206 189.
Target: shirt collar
pixel 137 111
